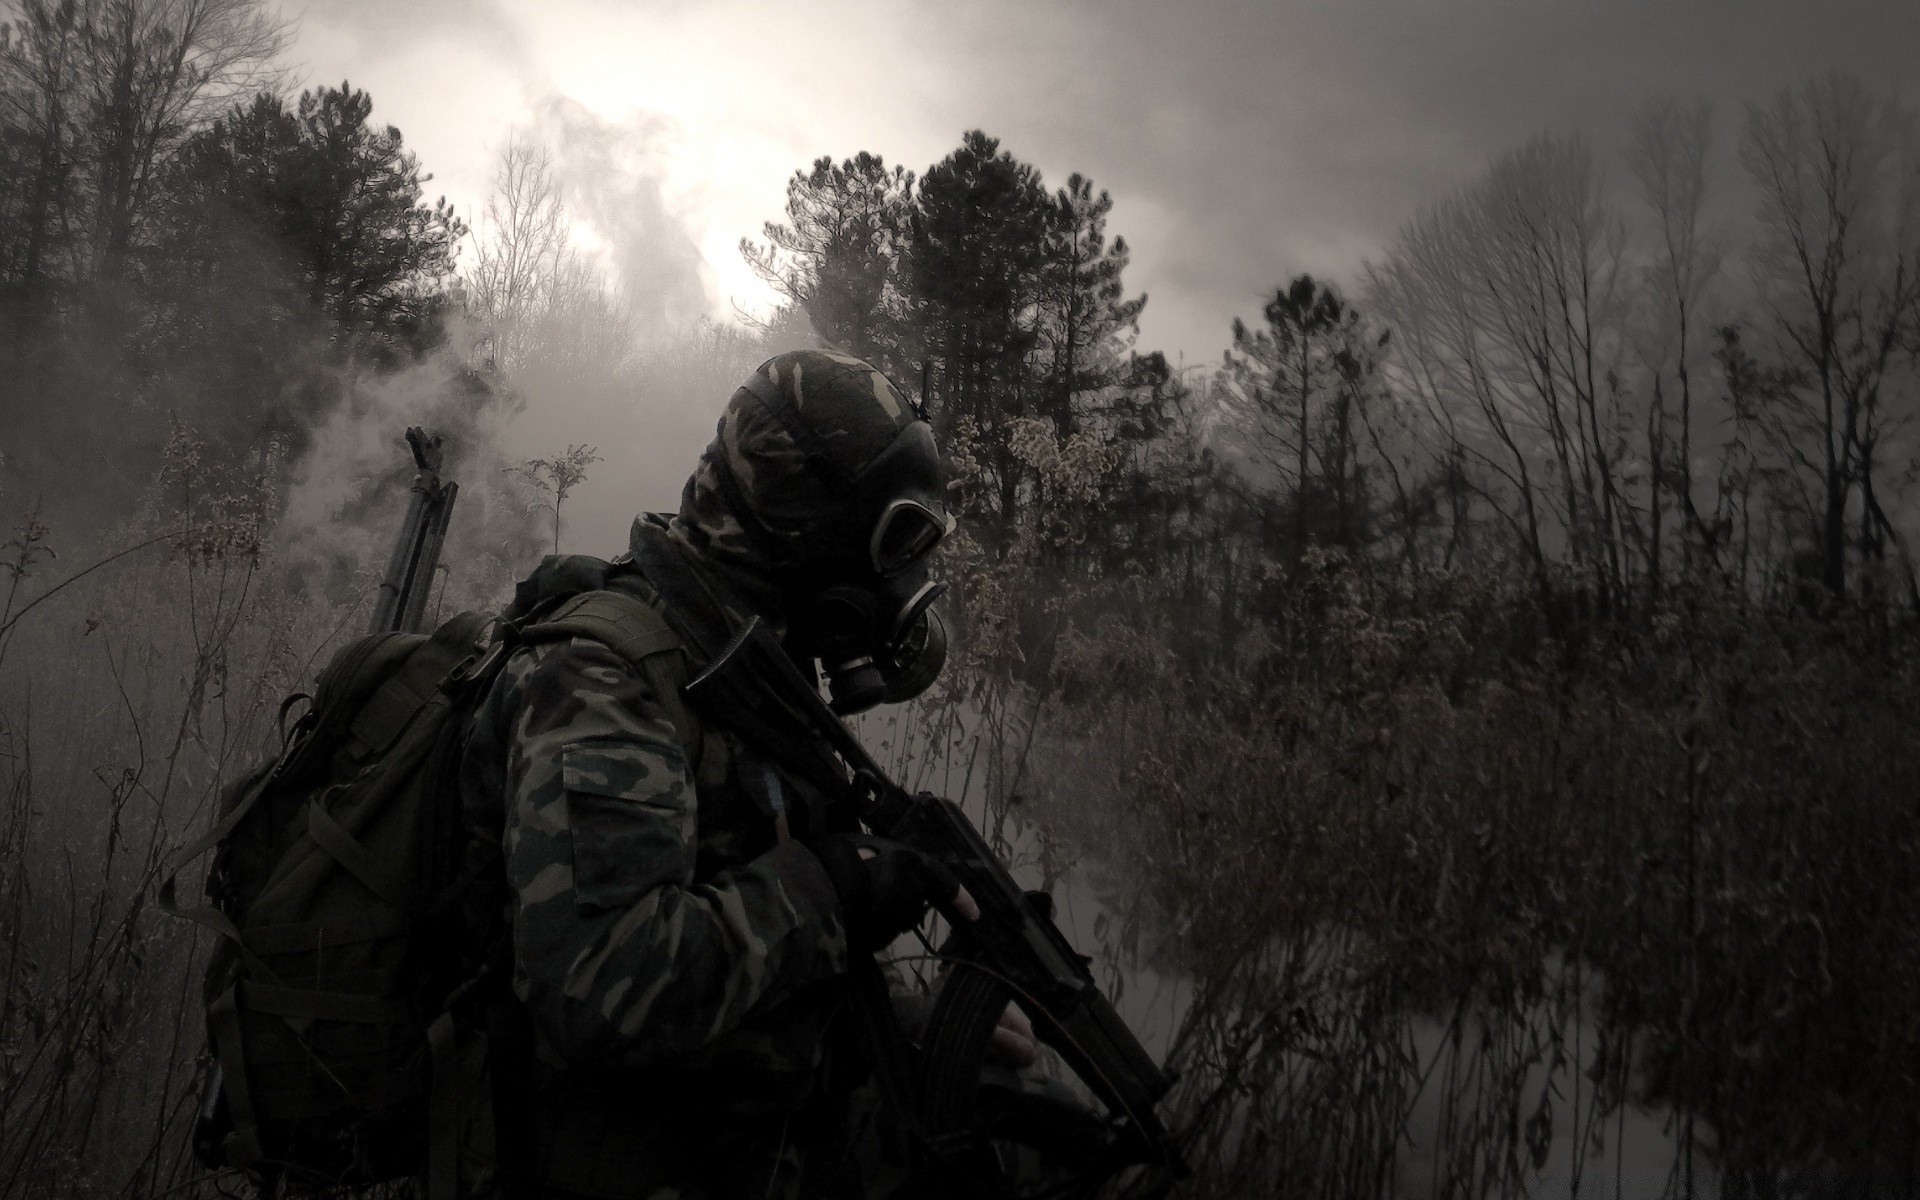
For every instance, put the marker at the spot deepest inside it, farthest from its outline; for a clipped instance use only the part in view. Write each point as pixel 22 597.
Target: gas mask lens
pixel 906 532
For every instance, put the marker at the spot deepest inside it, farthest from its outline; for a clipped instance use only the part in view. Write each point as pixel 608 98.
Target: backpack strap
pixel 639 633
pixel 393 705
pixel 206 915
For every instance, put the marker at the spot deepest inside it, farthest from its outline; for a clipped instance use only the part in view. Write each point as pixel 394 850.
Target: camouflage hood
pixel 794 438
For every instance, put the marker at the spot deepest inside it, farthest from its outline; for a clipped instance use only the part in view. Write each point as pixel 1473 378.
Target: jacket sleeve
pixel 620 958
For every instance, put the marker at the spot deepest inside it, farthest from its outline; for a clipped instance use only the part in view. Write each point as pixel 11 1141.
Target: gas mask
pixel 878 645
pixel 823 496
pixel 863 605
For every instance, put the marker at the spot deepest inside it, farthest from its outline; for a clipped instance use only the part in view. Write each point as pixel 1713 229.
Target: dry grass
pixel 1444 900
pixel 125 703
pixel 1455 898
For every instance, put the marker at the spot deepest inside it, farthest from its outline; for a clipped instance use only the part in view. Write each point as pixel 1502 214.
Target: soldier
pixel 684 912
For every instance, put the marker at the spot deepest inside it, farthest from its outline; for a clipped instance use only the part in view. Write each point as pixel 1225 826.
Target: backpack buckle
pixel 476 669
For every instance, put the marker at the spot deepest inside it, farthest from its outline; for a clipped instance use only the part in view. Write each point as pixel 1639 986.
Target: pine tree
pixel 1292 390
pixel 295 241
pixel 837 255
pixel 975 274
pixel 338 201
pixel 1086 323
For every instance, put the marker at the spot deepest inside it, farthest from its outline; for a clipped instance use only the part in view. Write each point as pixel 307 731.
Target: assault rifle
pixel 1013 952
pixel 402 602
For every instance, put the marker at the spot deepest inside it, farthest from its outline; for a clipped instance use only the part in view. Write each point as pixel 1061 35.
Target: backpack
pixel 348 981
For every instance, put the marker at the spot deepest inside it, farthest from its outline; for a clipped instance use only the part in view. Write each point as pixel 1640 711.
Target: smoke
pixel 619 376
pixel 642 373
pixel 649 418
pixel 613 175
pixel 348 492
pixel 641 376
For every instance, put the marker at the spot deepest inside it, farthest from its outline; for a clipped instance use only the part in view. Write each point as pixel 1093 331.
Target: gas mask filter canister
pixel 879 641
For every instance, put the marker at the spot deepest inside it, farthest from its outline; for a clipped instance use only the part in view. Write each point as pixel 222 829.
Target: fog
pixel 1448 653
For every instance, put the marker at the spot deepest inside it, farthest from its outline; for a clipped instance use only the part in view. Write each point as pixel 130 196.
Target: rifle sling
pixel 691 614
pixel 695 614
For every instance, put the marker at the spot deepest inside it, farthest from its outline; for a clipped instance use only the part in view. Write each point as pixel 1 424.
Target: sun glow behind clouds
pixel 730 114
pixel 746 92
pixel 1242 140
pixel 746 105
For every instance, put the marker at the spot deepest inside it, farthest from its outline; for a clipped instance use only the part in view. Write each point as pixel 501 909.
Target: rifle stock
pixel 402 602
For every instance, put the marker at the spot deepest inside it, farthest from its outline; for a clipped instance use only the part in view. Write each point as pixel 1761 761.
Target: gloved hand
pixel 884 887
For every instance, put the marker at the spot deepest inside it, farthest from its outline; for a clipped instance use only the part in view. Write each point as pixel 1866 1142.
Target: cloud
pixel 1242 140
pixel 1264 137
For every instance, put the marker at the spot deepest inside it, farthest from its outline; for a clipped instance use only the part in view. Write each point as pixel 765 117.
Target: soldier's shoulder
pixel 575 661
pixel 628 579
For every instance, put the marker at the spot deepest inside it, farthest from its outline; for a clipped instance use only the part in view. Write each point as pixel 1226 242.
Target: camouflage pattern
pixel 679 963
pixel 618 927
pixel 854 411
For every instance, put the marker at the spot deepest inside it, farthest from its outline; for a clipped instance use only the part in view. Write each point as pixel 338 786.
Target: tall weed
pixel 1456 899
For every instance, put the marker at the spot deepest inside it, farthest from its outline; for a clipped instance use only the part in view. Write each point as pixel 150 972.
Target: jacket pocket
pixel 630 819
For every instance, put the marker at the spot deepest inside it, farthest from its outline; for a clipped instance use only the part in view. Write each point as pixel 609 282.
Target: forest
pixel 1472 709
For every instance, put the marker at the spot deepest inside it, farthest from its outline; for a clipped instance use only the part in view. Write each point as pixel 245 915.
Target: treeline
pixel 1647 385
pixel 182 244
pixel 999 301
pixel 1613 378
pixel 1483 684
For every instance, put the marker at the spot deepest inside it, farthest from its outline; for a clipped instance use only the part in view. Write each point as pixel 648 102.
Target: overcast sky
pixel 1242 142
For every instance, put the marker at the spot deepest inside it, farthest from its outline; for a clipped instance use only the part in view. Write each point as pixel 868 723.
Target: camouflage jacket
pixel 679 963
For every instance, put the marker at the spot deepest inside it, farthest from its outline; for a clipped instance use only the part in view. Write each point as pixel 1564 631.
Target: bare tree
pixel 543 307
pixel 102 91
pixel 585 330
pixel 1506 302
pixel 39 50
pixel 521 250
pixel 156 70
pixel 1838 266
pixel 1667 152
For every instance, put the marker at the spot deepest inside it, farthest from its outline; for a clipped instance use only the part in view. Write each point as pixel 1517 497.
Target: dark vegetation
pixel 1484 694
